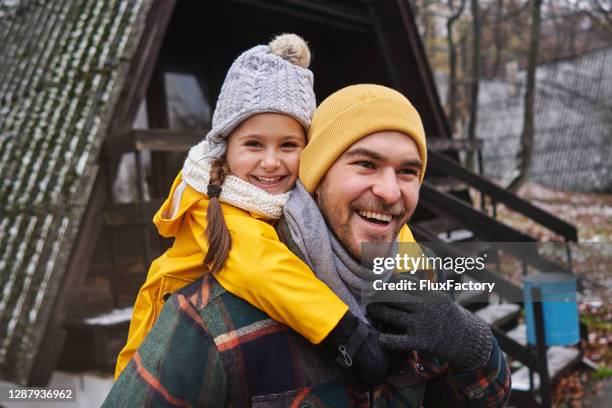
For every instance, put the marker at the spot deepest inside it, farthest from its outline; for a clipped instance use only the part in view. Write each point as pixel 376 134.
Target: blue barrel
pixel 561 325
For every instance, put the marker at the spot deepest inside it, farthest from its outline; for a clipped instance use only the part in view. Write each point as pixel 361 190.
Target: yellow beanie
pixel 347 116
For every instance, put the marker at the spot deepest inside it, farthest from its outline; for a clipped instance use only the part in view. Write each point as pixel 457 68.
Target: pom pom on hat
pixel 292 48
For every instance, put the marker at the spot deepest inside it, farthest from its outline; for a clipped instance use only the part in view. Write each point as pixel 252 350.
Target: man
pixel 361 173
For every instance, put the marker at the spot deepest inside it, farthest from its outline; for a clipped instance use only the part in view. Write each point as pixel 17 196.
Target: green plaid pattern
pixel 210 348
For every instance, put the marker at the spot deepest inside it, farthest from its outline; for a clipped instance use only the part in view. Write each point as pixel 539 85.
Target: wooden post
pixel 114 277
pixel 146 241
pixel 157 114
pixel 538 312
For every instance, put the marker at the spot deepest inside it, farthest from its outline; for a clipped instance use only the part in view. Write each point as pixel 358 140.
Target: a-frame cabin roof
pixel 63 64
pixel 66 69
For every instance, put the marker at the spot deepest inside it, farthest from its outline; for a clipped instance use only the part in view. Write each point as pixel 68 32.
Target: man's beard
pixel 342 231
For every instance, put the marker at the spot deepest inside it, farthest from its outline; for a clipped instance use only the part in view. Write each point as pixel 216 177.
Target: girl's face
pixel 264 150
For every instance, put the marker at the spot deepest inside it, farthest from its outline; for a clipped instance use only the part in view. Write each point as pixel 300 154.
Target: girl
pixel 222 207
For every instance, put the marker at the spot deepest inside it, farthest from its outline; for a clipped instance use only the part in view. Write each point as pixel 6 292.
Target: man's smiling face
pixel 371 191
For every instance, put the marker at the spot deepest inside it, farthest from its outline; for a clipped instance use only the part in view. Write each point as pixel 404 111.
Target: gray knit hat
pixel 267 78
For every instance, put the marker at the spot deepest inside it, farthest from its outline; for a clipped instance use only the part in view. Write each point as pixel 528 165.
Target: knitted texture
pixel 264 79
pixel 432 323
pixel 235 191
pixel 212 349
pixel 348 116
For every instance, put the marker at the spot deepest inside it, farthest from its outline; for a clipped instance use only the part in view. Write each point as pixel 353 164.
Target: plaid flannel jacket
pixel 210 348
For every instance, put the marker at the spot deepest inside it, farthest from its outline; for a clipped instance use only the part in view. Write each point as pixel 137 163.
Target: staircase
pixel 454 220
pixel 447 214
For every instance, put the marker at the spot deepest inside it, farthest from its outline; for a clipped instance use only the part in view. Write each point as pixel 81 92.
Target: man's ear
pixel 317 193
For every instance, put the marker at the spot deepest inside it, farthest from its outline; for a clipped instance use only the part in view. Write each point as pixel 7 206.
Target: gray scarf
pixel 320 249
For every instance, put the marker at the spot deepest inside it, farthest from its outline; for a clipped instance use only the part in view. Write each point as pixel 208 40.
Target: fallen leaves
pixel 590 213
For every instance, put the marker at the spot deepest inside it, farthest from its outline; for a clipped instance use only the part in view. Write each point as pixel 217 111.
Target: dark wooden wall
pixel 205 37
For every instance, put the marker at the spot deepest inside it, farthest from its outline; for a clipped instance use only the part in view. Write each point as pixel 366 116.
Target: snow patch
pixel 113 317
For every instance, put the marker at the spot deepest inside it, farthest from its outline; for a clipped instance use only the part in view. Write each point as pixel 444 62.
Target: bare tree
pixel 452 61
pixel 498 40
pixel 525 153
pixel 425 19
pixel 475 80
pixel 603 11
pixel 599 13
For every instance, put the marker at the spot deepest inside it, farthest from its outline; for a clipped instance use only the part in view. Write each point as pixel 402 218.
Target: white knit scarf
pixel 235 191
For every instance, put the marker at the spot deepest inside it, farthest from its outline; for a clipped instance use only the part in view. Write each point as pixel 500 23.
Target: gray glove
pixel 431 323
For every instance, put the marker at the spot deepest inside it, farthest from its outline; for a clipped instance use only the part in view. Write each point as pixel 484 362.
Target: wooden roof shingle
pixel 62 65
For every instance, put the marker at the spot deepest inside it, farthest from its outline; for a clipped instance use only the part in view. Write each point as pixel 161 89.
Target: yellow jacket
pixel 259 269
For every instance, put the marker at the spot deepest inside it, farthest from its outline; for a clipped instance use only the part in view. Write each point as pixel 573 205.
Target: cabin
pixel 100 102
